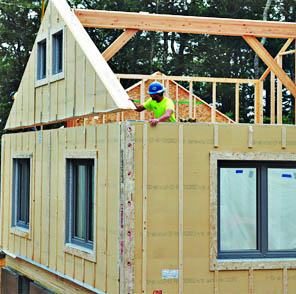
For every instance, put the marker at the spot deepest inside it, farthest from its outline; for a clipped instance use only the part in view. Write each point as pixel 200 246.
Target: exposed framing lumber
pixel 272 98
pixel 118 43
pixel 284 48
pixel 279 88
pixel 237 102
pixel 288 52
pixel 187 79
pixel 269 61
pixel 185 24
pixel 213 113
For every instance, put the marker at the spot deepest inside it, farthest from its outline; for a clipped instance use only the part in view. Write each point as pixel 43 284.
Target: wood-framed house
pixel 127 208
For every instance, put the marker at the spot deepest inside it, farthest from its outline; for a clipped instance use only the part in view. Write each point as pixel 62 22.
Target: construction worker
pixel 162 107
pixel 13 95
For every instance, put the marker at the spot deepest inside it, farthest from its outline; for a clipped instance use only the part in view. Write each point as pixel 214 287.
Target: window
pixel 256 209
pixel 41 60
pixel 21 192
pixel 57 53
pixel 80 202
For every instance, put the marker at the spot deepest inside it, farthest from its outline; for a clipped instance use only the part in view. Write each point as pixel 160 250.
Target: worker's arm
pixel 139 107
pixel 164 117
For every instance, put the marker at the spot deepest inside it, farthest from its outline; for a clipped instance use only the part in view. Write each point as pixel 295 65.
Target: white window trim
pixel 75 249
pixel 240 264
pixel 48 36
pixel 14 229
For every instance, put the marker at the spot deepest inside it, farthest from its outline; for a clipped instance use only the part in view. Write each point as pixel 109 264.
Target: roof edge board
pixel 94 56
pixel 108 111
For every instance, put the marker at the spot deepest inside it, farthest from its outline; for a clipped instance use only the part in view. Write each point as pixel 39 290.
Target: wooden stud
pixel 177 103
pixel 269 61
pixel 279 94
pixel 272 98
pixel 167 88
pixel 257 104
pixel 190 98
pixel 284 137
pixel 142 98
pixel 288 52
pixel 145 195
pixel 213 113
pixel 185 24
pixel 118 43
pixel 237 102
pixel 250 137
pixel 181 205
pixel 283 49
pixel 260 102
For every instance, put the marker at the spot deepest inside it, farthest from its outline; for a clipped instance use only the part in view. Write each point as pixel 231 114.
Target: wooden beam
pixel 288 52
pixel 237 102
pixel 186 79
pixel 185 24
pixel 284 48
pixel 118 43
pixel 213 112
pixel 272 98
pixel 279 90
pixel 269 61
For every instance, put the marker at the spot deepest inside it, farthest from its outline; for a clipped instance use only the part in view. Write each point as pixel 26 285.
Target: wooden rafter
pixel 118 43
pixel 284 48
pixel 271 63
pixel 185 24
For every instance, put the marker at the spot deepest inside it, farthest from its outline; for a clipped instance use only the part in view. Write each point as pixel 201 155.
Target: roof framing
pixel 185 24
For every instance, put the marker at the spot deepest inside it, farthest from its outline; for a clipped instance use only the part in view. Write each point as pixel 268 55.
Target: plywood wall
pixel 167 150
pixel 45 244
pixel 78 90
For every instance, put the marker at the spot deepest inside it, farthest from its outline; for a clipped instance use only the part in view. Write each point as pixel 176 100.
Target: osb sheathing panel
pixel 45 243
pixel 162 220
pixel 176 92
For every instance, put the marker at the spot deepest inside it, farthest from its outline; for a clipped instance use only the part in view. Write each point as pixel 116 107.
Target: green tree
pixel 19 23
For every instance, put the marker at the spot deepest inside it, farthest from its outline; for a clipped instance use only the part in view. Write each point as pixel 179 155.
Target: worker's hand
pixel 153 122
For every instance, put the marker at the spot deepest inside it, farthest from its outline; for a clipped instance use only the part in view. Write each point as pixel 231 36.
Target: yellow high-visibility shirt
pixel 159 108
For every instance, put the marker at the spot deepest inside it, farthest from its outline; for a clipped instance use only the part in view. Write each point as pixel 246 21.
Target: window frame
pixel 41 76
pixel 58 29
pixel 19 227
pixel 244 263
pixel 76 248
pixel 72 180
pixel 57 54
pixel 262 210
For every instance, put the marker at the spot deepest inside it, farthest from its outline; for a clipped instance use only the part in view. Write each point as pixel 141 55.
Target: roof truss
pixel 185 24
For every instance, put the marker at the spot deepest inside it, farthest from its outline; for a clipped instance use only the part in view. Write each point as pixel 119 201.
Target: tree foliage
pixel 148 52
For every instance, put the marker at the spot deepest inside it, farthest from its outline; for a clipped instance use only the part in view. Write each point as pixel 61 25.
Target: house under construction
pixel 115 206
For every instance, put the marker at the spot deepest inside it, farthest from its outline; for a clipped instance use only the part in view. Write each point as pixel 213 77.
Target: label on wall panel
pixel 169 274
